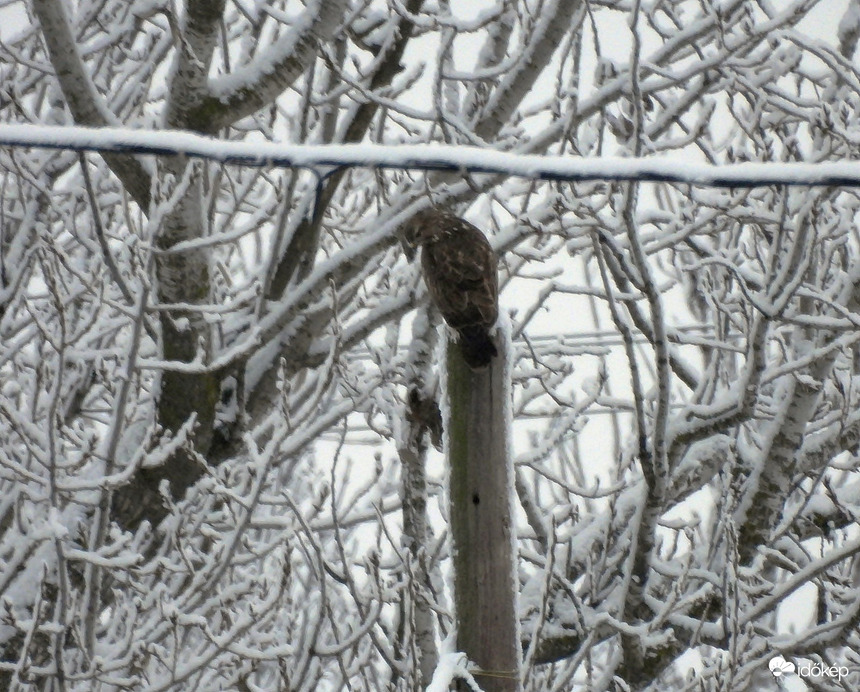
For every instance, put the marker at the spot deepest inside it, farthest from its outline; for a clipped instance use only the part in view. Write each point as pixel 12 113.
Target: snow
pixel 307 502
pixel 431 157
pixel 247 76
pixel 452 666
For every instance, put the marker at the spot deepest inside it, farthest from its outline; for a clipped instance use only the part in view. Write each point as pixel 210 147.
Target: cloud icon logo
pixel 779 666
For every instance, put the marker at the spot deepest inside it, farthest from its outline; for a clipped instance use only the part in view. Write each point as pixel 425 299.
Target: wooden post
pixel 485 593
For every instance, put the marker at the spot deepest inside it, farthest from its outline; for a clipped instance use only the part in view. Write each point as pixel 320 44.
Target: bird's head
pixel 421 229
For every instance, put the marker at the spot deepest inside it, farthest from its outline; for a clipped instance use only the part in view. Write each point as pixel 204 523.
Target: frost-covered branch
pixel 218 435
pixel 86 104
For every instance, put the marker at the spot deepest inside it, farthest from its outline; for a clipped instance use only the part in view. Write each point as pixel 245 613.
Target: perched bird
pixel 459 268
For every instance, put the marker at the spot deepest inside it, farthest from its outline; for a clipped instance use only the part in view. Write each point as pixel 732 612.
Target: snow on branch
pixel 429 157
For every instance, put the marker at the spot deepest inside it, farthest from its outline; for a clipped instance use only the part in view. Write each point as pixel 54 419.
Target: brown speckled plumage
pixel 459 269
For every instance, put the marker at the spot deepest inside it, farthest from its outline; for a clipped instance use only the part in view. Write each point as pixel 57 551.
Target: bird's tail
pixel 477 347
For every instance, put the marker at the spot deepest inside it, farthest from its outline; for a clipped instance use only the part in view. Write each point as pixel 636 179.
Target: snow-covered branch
pixel 218 385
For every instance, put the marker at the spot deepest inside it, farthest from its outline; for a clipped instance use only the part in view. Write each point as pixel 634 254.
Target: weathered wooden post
pixel 460 270
pixel 485 588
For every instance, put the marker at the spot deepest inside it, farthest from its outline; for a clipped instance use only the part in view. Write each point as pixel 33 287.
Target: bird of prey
pixel 459 268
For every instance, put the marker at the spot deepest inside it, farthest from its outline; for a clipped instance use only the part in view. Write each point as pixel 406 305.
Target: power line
pixel 464 159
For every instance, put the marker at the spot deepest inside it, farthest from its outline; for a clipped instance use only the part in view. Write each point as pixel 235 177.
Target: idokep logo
pixel 779 666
